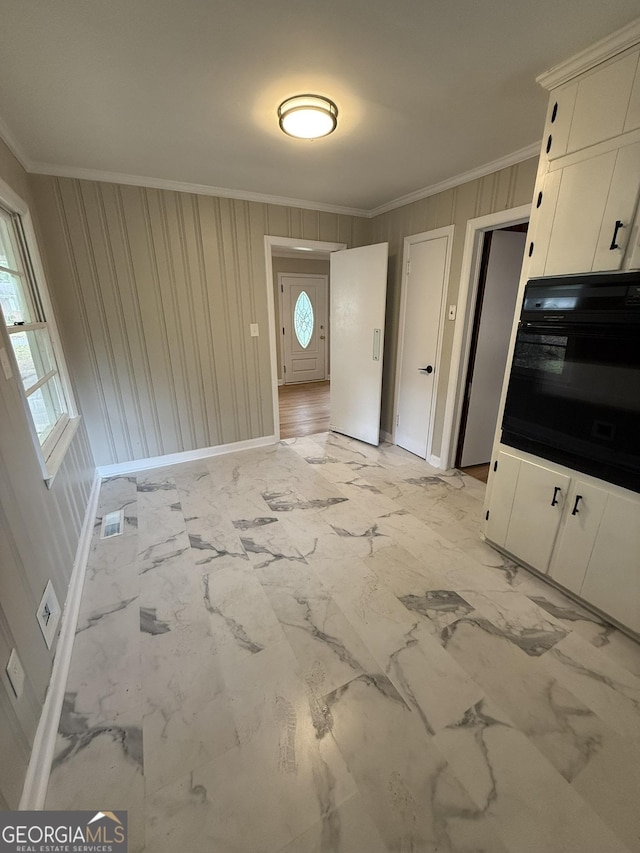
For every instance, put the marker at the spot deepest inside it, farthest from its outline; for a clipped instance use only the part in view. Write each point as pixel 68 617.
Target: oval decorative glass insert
pixel 303 319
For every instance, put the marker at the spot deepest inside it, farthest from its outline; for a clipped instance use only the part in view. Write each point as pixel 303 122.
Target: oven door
pixel 574 397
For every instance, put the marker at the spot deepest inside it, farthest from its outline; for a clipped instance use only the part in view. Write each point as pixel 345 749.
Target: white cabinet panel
pixel 579 211
pixel 585 506
pixel 612 581
pixel 621 204
pixel 501 503
pixel 558 123
pixel 633 113
pixel 602 103
pixel 537 509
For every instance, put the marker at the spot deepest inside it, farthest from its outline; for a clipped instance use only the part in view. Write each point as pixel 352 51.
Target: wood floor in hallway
pixel 304 408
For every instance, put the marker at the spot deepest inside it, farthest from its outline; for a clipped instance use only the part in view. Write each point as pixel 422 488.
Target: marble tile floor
pixel 307 647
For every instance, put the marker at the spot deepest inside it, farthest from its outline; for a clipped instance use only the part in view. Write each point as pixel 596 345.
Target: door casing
pixel 471 259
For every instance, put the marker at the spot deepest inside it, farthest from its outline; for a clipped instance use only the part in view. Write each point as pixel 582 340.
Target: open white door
pixel 358 302
pixel 427 257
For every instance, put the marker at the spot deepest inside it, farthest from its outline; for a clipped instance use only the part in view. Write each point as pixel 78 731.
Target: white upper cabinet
pixel 603 104
pixel 590 206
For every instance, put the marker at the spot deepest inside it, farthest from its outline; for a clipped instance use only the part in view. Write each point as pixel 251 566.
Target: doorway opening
pixel 469 281
pixel 491 323
pixel 293 268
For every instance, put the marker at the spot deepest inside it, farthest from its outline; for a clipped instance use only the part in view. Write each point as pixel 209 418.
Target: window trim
pixel 51 453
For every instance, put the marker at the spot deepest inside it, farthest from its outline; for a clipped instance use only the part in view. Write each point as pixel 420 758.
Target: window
pixel 303 319
pixel 33 338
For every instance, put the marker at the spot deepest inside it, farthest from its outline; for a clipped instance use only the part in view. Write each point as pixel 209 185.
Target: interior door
pixel 425 283
pixel 358 302
pixel 304 327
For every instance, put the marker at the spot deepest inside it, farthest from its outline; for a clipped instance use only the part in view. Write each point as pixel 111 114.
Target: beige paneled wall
pixel 305 266
pixel 501 190
pixel 157 290
pixel 39 532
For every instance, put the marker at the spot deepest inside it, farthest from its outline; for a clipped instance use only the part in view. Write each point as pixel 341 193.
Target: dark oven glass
pixel 574 397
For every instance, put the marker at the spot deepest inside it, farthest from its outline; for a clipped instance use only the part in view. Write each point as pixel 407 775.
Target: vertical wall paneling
pixel 166 285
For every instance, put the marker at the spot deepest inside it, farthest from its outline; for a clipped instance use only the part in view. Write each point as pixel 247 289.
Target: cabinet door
pixel 583 514
pixel 612 580
pixel 589 198
pixel 602 102
pixel 539 497
pixel 620 207
pixel 503 489
pixel 578 216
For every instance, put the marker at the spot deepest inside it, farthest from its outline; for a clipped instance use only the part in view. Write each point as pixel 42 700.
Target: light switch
pixel 452 312
pixel 254 330
pixel 6 364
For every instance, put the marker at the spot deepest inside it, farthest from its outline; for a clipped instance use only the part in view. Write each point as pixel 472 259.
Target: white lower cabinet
pixel 612 579
pixel 583 534
pixel 575 543
pixel 526 508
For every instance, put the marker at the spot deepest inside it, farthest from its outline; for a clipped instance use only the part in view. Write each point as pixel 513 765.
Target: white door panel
pixel 421 320
pixel 358 302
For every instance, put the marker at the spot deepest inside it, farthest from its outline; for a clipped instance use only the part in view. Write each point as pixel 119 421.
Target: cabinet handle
pixel 556 492
pixel 614 244
pixel 575 509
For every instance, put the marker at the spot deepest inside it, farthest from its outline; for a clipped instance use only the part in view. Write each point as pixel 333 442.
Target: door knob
pixel 427 369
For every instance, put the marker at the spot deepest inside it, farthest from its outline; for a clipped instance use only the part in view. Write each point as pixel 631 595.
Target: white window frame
pixel 52 451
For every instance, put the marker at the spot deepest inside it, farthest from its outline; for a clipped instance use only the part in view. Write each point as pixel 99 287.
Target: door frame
pixel 424 236
pixel 282 275
pixel 469 279
pixel 271 242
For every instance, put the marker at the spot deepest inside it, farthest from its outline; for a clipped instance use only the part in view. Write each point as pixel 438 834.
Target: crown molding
pixel 184 187
pixel 591 56
pixel 512 159
pixel 14 146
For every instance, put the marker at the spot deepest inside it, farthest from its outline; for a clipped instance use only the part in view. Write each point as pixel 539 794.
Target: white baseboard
pixel 386 436
pixel 280 382
pixel 435 461
pixel 39 769
pixel 184 456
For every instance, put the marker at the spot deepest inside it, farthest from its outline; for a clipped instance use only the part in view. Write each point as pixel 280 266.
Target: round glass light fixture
pixel 308 116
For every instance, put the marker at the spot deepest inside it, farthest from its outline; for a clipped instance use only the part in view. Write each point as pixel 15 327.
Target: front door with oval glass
pixel 304 332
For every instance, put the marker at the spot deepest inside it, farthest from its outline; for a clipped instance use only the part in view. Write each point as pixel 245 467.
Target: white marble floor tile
pixel 347 829
pixel 535 810
pixel 413 798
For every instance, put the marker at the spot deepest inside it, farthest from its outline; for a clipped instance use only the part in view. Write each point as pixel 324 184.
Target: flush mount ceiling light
pixel 308 116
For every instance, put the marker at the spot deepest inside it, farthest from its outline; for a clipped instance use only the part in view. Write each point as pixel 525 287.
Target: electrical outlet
pixel 48 614
pixel 15 673
pixel 254 330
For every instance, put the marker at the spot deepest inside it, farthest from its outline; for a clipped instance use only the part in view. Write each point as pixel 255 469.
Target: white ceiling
pixel 187 90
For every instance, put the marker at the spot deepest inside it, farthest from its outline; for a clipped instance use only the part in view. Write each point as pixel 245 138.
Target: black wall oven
pixel 574 389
